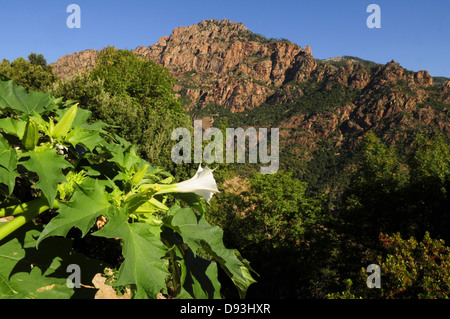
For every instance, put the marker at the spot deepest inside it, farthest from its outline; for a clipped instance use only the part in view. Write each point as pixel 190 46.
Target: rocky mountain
pixel 223 70
pixel 215 62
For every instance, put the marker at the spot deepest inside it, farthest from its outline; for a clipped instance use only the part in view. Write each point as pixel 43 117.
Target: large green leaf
pixel 125 158
pixel 8 164
pixel 200 280
pixel 84 137
pixel 143 251
pixel 29 273
pixel 200 236
pixel 13 127
pixel 16 99
pixel 86 205
pixel 48 166
pixel 197 277
pixel 193 200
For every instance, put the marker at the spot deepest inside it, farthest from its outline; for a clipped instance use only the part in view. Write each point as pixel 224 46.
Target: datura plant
pixel 55 163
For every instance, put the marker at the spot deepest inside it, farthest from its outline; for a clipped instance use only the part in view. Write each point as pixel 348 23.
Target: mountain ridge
pixel 223 70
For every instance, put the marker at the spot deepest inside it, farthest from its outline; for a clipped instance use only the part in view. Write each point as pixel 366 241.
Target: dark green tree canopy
pixel 34 74
pixel 126 73
pixel 37 59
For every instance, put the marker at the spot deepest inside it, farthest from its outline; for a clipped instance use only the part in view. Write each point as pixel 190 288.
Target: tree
pixel 429 186
pixel 37 59
pixel 409 269
pixel 276 211
pixel 374 201
pixel 392 194
pixel 33 74
pixel 126 73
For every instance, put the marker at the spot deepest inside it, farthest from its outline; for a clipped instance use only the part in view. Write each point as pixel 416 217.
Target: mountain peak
pixel 224 23
pixel 211 28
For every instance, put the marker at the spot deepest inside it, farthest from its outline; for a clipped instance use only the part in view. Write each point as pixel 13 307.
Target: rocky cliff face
pixel 215 62
pixel 224 63
pixel 77 62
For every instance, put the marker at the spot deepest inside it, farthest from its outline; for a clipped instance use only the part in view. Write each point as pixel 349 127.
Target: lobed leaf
pixel 192 275
pixel 86 204
pixel 13 127
pixel 16 99
pixel 48 166
pixel 199 235
pixel 84 137
pixel 143 252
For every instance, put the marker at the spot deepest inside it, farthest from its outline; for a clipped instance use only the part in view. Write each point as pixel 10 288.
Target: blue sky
pixel 414 33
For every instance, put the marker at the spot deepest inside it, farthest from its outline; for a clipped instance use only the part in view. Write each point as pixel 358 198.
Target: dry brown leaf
pixel 105 291
pixel 6 219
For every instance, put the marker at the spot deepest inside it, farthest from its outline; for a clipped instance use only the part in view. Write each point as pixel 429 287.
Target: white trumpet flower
pixel 203 184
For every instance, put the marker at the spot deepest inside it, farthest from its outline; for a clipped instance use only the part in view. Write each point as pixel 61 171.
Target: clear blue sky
pixel 414 33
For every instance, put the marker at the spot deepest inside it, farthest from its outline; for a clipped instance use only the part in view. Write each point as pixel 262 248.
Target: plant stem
pixel 23 207
pixel 28 210
pixel 159 188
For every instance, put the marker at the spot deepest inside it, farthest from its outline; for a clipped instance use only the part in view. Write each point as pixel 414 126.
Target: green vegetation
pixel 317 98
pixel 34 74
pixel 256 37
pixel 125 73
pixel 277 211
pixel 439 80
pixel 272 221
pixel 390 194
pixel 310 243
pixel 56 164
pixel 135 97
pixel 409 270
pixel 342 61
pixel 309 230
pixel 243 35
pixel 435 99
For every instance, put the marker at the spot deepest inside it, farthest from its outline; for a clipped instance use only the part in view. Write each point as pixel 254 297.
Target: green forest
pixel 99 144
